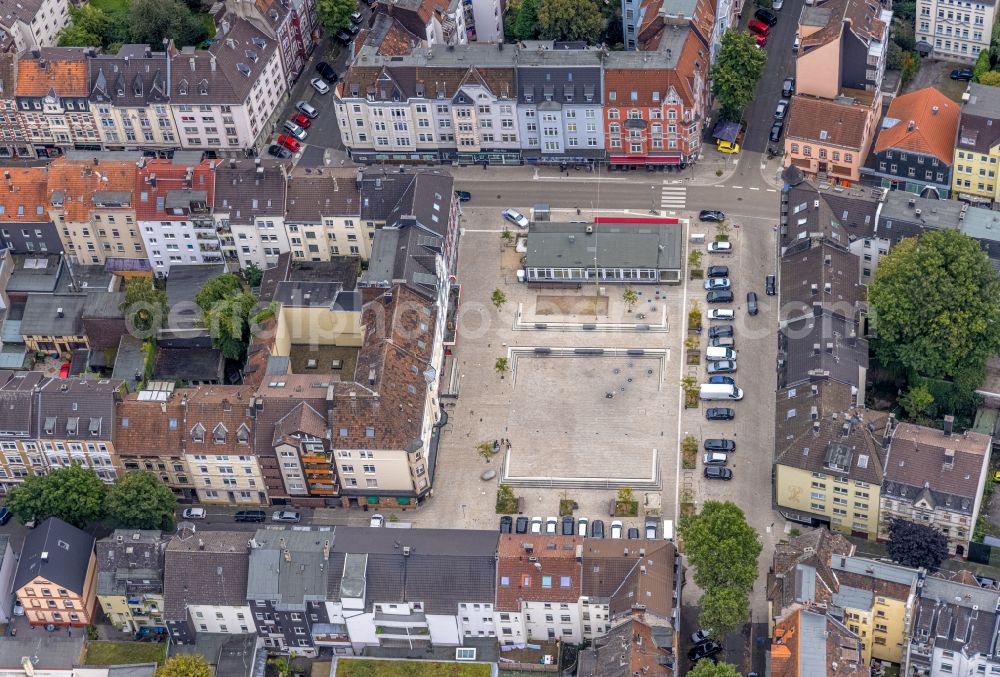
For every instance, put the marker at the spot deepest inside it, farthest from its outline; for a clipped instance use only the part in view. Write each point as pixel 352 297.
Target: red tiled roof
pixel 170 177
pixel 61 69
pixel 23 194
pixel 844 124
pixel 519 578
pixel 79 180
pixel 935 124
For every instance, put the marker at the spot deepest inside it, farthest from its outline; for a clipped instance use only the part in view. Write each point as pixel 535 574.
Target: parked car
pixel 581 526
pixel 781 110
pixel 788 87
pixel 302 121
pixel 353 29
pixel 714 458
pixel 250 516
pixel 18 609
pixel 711 215
pixel 633 532
pixel 701 636
pixel 752 303
pixel 344 37
pixel 720 330
pixel 326 71
pixel 795 43
pixel 597 529
pixel 722 342
pixel 289 143
pixel 279 152
pixel 717 473
pixel 721 380
pixel 515 217
pixel 777 4
pixel 296 131
pixel 721 314
pixel 717 283
pixel 720 247
pixel 720 444
pixel 356 18
pixel 376 521
pixel 551 525
pixel 721 367
pixel 306 109
pixel 320 85
pixel 568 525
pixel 704 649
pixel 505 524
pixel 720 414
pixel 536 525
pixel 962 74
pixel 286 516
pixel 521 525
pixel 761 40
pixel 463 195
pixel 769 285
pixel 616 529
pixel 729 147
pixel 719 296
pixel 194 513
pixel 758 27
pixel 776 130
pixel 765 15
pixel 5 515
pixel 64 370
pixel 650 528
pixel 717 271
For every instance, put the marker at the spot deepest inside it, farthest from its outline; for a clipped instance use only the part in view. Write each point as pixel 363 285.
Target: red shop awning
pixel 645 159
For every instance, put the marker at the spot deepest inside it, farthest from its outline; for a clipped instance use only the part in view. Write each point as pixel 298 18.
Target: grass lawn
pixel 351 667
pixel 110 6
pixel 123 653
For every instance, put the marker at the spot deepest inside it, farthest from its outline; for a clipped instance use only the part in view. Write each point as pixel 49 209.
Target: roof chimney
pixel 201 544
pixel 949 424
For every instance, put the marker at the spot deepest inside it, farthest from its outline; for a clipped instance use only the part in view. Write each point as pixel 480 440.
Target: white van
pixel 724 314
pixel 668 530
pixel 713 353
pixel 719 391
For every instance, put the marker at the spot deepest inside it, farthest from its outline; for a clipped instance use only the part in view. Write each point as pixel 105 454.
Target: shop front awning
pixel 645 159
pixel 403 500
pixel 373 500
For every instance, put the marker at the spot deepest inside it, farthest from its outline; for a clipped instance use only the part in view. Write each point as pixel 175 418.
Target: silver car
pixel 286 516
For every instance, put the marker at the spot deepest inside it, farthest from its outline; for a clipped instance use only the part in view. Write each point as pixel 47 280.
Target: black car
pixel 776 129
pixel 720 330
pixel 249 516
pixel 719 444
pixel 568 526
pixel 788 87
pixel 505 524
pixel 720 414
pixel 714 472
pixel 717 271
pixel 463 195
pixel 326 71
pixel 721 380
pixel 962 74
pixel 5 514
pixel 633 532
pixel 597 529
pixel 705 649
pixel 521 525
pixel 344 37
pixel 769 286
pixel 712 215
pixel 752 303
pixel 719 296
pixel 279 152
pixel 766 16
pixel 353 29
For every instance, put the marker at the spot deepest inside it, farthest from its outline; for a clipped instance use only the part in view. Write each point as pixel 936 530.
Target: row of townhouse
pixel 224 99
pixel 836 462
pixel 836 613
pixel 535 103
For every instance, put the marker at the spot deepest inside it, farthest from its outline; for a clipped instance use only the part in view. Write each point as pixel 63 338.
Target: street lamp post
pixel 652 198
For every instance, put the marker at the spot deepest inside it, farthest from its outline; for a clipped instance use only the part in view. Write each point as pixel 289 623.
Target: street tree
pixel 571 20
pixel 335 14
pixel 501 365
pixel 522 20
pixel 145 306
pixel 936 302
pixel 498 298
pixel 736 72
pixel 140 501
pixel 73 494
pixel 721 547
pixel 630 297
pixel 916 545
pixel 917 400
pixel 710 669
pixel 185 666
pixel 485 449
pixel 723 610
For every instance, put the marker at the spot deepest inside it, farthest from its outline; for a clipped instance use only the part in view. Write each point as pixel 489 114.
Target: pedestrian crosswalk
pixel 673 197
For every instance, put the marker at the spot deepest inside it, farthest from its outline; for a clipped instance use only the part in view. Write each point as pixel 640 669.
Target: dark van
pixel 250 516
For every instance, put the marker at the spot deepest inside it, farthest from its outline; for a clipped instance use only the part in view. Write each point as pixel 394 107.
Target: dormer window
pixel 219 434
pixel 182 87
pixel 72 425
pixel 95 427
pixel 243 434
pixel 198 433
pixel 203 88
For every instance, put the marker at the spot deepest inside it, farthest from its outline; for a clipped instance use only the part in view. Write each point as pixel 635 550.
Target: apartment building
pixel 130 92
pixel 916 144
pixel 935 478
pixel 205 585
pixel 33 24
pixel 174 212
pixel 92 203
pixel 631 648
pixel 323 216
pixel 25 226
pixel 249 211
pixel 810 643
pixel 56 579
pixel 437 22
pixel 829 139
pixel 293 25
pixel 954 31
pixel 226 98
pixel 13 135
pixel 53 100
pixel 130 579
pixel 977 148
pixel 821 278
pixel 22 456
pixel 559 108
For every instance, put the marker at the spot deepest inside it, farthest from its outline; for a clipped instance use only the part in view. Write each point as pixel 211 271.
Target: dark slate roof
pixel 316 294
pixel 209 569
pixel 188 364
pixel 130 560
pixel 246 190
pixel 67 552
pixel 41 315
pixel 801 571
pixel 103 305
pixel 444 567
pixel 807 268
pixel 404 256
pixel 135 76
pixel 77 408
pixel 565 84
pixel 18 404
pixel 233 655
pixel 36 273
pixel 323 192
pixel 979 125
pixel 957 617
pixel 289 582
pixel 836 213
pixel 821 346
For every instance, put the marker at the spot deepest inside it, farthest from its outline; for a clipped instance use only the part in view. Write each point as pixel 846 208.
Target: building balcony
pixel 322 490
pixel 202 234
pixel 411 620
pixel 209 246
pixel 315 458
pixel 317 472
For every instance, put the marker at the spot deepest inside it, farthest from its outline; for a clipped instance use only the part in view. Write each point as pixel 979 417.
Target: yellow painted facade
pixel 975 174
pixel 46 603
pixel 851 506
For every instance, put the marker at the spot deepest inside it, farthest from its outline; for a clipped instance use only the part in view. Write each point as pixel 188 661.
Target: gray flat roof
pixel 612 245
pixel 983 101
pixel 933 213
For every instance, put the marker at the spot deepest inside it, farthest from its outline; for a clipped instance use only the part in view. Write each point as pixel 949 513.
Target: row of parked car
pixel 293 516
pixel 568 526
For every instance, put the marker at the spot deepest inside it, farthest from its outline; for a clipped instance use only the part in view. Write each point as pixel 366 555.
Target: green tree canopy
pixel 218 288
pixel 709 669
pixel 140 501
pixel 522 20
pixel 145 306
pixel 74 494
pixel 253 274
pixel 736 71
pixel 228 321
pixel 991 78
pixel 150 21
pixel 721 547
pixel 936 302
pixel 335 14
pixel 185 666
pixel 571 20
pixel 917 400
pixel 722 610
